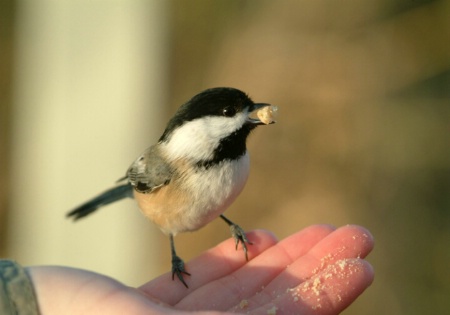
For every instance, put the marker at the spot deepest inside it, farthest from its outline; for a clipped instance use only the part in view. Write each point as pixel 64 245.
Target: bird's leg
pixel 238 234
pixel 177 264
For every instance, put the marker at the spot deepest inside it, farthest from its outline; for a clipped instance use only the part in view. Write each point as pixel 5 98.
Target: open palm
pixel 319 270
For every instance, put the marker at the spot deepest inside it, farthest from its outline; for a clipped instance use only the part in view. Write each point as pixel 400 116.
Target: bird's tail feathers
pixel 105 198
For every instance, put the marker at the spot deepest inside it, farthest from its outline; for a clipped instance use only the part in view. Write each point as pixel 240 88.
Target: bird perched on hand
pixel 195 171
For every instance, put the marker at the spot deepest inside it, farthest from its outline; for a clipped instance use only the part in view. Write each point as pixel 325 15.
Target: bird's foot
pixel 178 269
pixel 239 237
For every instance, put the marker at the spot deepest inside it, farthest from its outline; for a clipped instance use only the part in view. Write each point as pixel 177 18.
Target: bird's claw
pixel 239 237
pixel 178 269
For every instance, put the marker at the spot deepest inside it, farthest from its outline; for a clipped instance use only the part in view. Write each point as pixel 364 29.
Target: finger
pixel 257 273
pixel 210 265
pixel 346 242
pixel 327 292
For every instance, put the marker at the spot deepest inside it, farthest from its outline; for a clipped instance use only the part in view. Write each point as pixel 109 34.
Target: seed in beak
pixel 267 114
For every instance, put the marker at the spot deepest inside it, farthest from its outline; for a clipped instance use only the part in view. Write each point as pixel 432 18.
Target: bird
pixel 194 172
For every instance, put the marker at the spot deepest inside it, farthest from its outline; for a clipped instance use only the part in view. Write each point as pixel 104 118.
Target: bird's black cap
pixel 220 101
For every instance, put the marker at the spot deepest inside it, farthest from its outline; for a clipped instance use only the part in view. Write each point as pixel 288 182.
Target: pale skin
pixel 318 270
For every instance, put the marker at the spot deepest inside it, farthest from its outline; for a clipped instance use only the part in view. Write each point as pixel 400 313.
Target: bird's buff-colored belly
pixel 203 198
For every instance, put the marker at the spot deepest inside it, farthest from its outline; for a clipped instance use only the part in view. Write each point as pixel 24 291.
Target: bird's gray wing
pixel 149 172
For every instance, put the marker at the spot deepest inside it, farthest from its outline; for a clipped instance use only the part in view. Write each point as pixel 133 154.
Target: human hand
pixel 319 270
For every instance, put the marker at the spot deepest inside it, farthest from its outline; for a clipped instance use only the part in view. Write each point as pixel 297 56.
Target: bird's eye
pixel 229 111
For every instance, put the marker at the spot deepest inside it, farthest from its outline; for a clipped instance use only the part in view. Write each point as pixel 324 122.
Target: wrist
pixel 17 294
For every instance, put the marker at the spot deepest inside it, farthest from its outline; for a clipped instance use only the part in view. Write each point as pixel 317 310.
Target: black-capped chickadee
pixel 195 171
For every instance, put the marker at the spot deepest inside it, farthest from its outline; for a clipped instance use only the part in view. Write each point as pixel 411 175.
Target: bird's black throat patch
pixel 229 148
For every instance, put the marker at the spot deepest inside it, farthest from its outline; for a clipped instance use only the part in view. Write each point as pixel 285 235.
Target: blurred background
pixel 362 136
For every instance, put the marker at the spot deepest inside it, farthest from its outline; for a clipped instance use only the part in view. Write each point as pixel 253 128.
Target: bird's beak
pixel 262 118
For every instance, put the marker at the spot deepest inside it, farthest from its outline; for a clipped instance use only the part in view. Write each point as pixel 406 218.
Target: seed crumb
pixel 272 311
pixel 315 307
pixel 327 276
pixel 316 286
pixel 243 304
pixel 267 114
pixel 342 264
pixel 306 286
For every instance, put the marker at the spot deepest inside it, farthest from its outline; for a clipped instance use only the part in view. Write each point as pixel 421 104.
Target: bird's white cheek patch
pixel 197 139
